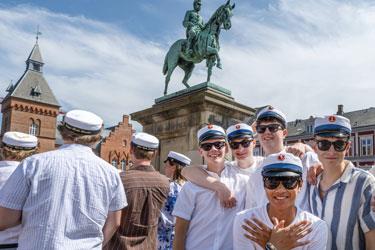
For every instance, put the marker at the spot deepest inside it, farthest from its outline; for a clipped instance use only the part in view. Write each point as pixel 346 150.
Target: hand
pixel 226 197
pixel 313 172
pixel 298 149
pixel 257 231
pixel 287 237
pixel 373 202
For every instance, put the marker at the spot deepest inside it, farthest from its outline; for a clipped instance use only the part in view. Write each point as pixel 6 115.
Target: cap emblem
pixel 332 118
pixel 210 126
pixel 281 157
pixel 270 108
pixel 238 126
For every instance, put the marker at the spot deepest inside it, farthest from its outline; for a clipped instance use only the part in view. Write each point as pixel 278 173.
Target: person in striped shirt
pixel 342 196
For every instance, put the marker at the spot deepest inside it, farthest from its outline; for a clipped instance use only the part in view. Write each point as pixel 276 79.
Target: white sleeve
pixel 185 203
pixel 240 242
pixel 319 237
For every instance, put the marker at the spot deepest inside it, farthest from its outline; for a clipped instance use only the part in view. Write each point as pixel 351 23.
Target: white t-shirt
pixel 251 169
pixel 318 236
pixel 258 195
pixel 210 225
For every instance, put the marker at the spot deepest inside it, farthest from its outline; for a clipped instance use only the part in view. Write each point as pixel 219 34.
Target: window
pixel 36 66
pixel 34 127
pixel 114 163
pixel 351 151
pixel 124 143
pixel 123 165
pixel 256 151
pixel 366 143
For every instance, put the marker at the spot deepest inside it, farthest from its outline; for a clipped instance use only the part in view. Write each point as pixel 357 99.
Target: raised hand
pixel 257 231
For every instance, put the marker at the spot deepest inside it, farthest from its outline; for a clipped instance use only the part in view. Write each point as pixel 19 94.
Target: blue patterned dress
pixel 167 220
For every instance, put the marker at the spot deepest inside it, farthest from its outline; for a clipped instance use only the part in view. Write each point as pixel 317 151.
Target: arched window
pixel 34 127
pixel 123 165
pixel 114 163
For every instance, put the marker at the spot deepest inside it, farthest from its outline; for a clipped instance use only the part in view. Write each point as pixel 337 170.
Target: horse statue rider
pixel 202 42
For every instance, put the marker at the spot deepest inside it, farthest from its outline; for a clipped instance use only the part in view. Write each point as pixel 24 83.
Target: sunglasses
pixel 208 146
pixel 271 127
pixel 339 145
pixel 287 182
pixel 244 143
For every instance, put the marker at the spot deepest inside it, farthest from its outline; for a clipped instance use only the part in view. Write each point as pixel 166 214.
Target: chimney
pixel 340 109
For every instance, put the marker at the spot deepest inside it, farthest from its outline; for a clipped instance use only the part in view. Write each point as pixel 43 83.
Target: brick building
pixel 115 146
pixel 30 105
pixel 362 151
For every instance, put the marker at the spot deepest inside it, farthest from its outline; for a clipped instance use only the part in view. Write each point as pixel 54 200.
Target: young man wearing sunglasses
pixel 342 195
pixel 282 180
pixel 201 223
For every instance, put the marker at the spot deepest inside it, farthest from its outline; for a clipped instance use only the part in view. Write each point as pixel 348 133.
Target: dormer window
pixel 35 91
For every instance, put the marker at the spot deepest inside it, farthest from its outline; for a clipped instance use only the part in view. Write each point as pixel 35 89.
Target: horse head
pixel 223 15
pixel 227 14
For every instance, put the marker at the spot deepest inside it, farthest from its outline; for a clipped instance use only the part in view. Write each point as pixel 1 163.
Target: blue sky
pixel 304 57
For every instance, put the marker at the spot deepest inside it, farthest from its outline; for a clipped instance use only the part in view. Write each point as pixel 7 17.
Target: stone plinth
pixel 176 118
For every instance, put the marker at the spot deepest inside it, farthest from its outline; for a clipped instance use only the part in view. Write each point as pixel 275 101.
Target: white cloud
pixel 302 56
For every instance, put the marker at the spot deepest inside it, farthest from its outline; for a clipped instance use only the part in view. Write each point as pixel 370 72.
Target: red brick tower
pixel 30 105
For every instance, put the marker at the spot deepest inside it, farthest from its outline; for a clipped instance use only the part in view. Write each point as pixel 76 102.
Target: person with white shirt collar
pixel 67 198
pixel 201 222
pixel 16 146
pixel 342 195
pixel 282 180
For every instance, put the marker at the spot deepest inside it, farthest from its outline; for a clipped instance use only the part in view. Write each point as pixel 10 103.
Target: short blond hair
pixel 8 153
pixel 86 140
pixel 143 154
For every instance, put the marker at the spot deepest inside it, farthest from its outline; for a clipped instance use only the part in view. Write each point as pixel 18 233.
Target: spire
pixel 35 61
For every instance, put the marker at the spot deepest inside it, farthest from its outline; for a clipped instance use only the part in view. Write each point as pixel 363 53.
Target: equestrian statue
pixel 202 42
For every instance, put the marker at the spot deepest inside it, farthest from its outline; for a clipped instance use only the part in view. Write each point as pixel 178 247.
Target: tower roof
pixel 35 54
pixel 32 85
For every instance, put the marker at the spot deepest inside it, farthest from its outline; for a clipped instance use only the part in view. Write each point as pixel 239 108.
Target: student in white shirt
pixel 201 223
pixel 291 226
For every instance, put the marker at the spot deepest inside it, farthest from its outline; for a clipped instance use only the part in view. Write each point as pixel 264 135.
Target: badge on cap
pixel 332 118
pixel 281 157
pixel 210 132
pixel 282 165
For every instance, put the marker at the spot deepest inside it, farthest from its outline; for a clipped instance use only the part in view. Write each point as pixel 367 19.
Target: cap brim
pixel 332 134
pixel 212 136
pixel 231 138
pixel 281 174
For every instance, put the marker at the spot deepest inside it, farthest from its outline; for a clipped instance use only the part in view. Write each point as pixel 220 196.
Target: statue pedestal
pixel 176 118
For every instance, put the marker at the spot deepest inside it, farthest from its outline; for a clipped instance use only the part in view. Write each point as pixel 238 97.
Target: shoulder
pixel 315 220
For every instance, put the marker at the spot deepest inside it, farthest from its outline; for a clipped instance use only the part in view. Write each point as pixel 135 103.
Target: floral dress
pixel 167 220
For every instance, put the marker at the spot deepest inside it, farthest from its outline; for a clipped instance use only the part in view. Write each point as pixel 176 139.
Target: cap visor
pixel 337 134
pixel 281 174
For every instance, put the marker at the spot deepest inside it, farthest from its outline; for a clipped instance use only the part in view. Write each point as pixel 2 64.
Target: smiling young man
pixel 201 222
pixel 282 180
pixel 342 195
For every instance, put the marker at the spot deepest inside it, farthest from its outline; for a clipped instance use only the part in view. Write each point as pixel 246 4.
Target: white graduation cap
pixel 83 122
pixel 210 132
pixel 180 159
pixel 145 141
pixel 18 140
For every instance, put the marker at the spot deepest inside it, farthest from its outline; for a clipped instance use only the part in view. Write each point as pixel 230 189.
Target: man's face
pixel 197 5
pixel 243 147
pixel 330 157
pixel 215 154
pixel 271 140
pixel 282 197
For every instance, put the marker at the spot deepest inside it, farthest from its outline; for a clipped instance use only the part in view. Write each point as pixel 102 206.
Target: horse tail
pixel 165 66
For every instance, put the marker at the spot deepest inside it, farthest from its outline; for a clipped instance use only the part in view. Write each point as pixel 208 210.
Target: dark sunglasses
pixel 339 145
pixel 271 127
pixel 287 182
pixel 245 144
pixel 207 146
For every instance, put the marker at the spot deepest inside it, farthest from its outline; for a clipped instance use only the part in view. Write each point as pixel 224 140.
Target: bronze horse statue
pixel 205 46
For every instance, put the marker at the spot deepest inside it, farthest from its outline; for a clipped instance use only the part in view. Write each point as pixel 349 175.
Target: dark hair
pixel 177 176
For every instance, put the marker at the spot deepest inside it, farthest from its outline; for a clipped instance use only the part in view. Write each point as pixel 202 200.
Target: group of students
pixel 69 198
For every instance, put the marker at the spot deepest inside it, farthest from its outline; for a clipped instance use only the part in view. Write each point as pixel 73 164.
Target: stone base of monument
pixel 176 118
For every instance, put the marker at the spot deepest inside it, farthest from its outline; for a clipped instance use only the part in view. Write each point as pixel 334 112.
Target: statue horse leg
pixel 170 62
pixel 188 68
pixel 210 62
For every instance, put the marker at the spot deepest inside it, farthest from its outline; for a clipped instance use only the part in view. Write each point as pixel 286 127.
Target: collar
pixel 345 176
pixel 147 168
pixel 77 147
pixel 9 163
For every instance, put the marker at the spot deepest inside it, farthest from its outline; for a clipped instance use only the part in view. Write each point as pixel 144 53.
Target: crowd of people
pixel 295 197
